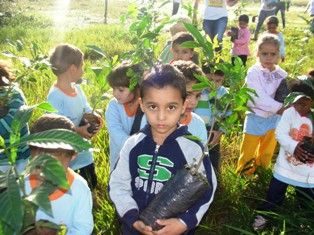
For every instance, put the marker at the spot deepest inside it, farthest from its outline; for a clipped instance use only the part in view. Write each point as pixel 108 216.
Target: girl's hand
pixel 82 131
pixel 172 226
pixel 142 228
pixel 300 153
pixel 215 137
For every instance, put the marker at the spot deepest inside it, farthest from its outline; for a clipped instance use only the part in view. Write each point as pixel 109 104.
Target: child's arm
pixel 120 190
pixel 243 39
pixel 262 101
pixel 82 223
pixel 117 134
pixel 282 47
pixel 283 132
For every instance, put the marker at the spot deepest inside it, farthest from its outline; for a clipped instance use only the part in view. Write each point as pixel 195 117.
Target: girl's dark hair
pixel 297 85
pixel 272 20
pixel 209 68
pixel 49 122
pixel 182 37
pixel 63 56
pixel 118 77
pixel 267 38
pixel 311 73
pixel 5 73
pixel 244 18
pixel 161 76
pixel 189 69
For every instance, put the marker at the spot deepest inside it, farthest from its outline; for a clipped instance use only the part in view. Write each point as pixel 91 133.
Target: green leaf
pixel 2 143
pixel 51 169
pixel 97 50
pixel 57 137
pixel 96 70
pixel 193 137
pixel 241 231
pixel 189 44
pixel 11 203
pixel 290 98
pixel 46 107
pixel 29 216
pixel 40 197
pixel 5 229
pixel 199 86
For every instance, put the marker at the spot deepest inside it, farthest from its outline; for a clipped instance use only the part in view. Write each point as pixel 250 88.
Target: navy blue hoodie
pixel 144 167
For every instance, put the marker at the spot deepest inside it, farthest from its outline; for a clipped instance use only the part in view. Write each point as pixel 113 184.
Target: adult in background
pixel 268 8
pixel 175 6
pixel 216 18
pixel 281 7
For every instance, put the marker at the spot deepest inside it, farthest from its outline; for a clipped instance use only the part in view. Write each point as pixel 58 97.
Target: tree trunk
pixel 106 11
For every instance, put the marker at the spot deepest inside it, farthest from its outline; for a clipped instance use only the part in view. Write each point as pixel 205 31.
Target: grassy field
pixel 80 22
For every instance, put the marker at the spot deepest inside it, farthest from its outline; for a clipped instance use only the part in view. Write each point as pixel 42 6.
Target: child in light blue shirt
pixel 123 108
pixel 67 97
pixel 204 110
pixel 194 122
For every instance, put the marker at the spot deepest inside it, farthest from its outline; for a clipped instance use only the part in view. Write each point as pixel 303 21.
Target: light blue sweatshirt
pixel 72 107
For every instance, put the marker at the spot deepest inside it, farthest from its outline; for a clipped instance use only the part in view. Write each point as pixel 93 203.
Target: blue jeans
pixel 215 27
pixel 261 18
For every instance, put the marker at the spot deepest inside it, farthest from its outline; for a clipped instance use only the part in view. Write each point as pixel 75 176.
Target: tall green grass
pixel 237 196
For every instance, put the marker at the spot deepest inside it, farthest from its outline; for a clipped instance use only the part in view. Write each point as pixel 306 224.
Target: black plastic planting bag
pixel 282 91
pixel 308 146
pixel 178 195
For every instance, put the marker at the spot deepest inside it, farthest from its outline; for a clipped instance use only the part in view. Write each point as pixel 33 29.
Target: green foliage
pixel 37 63
pixel 227 109
pixel 100 72
pixel 144 29
pixel 11 203
pixel 17 207
pixel 236 196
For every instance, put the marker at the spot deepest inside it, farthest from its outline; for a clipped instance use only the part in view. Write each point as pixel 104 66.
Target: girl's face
pixel 192 97
pixel 243 24
pixel 163 108
pixel 303 106
pixel 181 53
pixel 76 72
pixel 123 94
pixel 272 28
pixel 268 55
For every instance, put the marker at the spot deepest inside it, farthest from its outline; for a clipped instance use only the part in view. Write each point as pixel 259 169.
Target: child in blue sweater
pixel 123 108
pixel 149 159
pixel 11 99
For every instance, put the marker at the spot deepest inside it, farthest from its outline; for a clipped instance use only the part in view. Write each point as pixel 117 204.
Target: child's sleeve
pixel 117 134
pixel 82 223
pixel 283 132
pixel 244 39
pixel 17 100
pixel 262 101
pixel 282 47
pixel 86 105
pixel 56 101
pixel 193 216
pixel 120 190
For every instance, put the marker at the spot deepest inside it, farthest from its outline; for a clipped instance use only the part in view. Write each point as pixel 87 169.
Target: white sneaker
pixel 259 223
